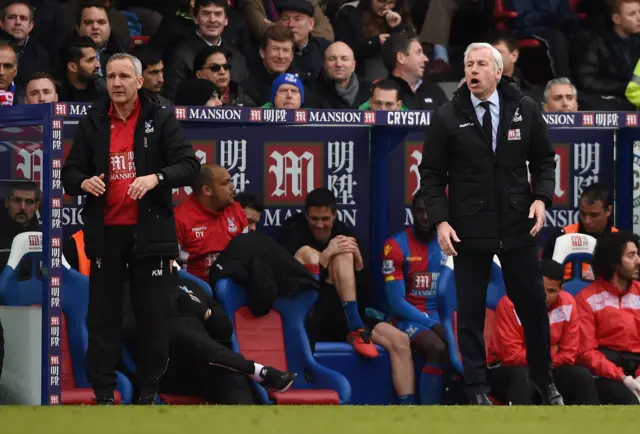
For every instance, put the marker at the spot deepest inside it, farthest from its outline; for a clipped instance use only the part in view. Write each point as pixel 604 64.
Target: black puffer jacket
pixel 159 146
pixel 489 193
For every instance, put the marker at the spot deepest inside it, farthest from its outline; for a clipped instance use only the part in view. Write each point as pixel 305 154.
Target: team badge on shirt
pixel 231 224
pixel 387 267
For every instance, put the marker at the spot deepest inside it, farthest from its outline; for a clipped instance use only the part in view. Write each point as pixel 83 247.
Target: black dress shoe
pixel 147 400
pixel 481 399
pixel 550 394
pixel 104 401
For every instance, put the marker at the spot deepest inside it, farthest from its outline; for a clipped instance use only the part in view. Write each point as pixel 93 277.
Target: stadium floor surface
pixel 325 420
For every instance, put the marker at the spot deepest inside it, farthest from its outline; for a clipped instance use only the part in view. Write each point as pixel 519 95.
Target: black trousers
pixel 614 392
pixel 149 278
pixel 510 384
pixel 204 367
pixel 523 281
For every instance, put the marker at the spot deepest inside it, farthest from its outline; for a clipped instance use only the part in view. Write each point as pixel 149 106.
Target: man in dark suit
pixel 479 145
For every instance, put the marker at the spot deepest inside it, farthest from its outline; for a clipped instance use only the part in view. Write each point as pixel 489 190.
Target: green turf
pixel 325 420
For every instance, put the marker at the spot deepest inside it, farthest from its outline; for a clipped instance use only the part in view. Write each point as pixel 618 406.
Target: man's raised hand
pixel 94 185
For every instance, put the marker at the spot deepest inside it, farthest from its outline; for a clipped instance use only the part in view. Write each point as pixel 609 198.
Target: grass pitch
pixel 321 420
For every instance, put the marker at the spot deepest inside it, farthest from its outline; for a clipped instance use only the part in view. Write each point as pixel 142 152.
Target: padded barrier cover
pixel 575 249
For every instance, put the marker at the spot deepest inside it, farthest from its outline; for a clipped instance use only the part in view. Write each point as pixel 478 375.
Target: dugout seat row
pixel 17 289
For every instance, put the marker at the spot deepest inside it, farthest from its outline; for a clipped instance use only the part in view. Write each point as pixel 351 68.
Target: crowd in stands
pixel 338 55
pixel 235 52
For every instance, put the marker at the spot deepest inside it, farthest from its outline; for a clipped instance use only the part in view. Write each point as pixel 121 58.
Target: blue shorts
pixel 413 328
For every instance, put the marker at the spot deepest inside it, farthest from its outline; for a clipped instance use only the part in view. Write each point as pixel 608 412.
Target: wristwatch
pixel 160 178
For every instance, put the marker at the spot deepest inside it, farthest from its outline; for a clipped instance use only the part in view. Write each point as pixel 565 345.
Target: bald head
pixel 339 63
pixel 214 188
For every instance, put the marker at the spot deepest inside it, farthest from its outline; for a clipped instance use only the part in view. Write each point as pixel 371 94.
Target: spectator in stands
pixel 93 21
pixel 610 320
pixel 41 88
pixel 507 353
pixel 21 202
pixel 385 95
pixel 632 91
pixel 276 52
pixel 153 73
pixel 9 91
pixel 118 23
pixel 554 23
pixel 596 205
pixel 252 207
pixel 17 21
pixel 261 14
pixel 210 17
pixel 297 15
pixel 207 220
pixel 411 262
pixel 560 95
pixel 287 92
pixel 81 81
pixel 327 247
pixel 608 63
pixel 338 87
pixel 177 24
pixel 212 63
pixel 365 26
pixel 435 31
pixel 507 45
pixel 198 92
pixel 404 59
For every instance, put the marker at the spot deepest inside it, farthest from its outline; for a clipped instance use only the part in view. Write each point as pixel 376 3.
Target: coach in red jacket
pixel 609 311
pixel 507 354
pixel 208 220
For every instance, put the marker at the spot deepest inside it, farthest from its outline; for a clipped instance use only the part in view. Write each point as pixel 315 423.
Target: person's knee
pixel 341 259
pixel 400 344
pixel 307 255
pixel 431 346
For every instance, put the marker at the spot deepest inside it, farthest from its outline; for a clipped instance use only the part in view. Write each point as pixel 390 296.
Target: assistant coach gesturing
pixel 479 145
pixel 127 155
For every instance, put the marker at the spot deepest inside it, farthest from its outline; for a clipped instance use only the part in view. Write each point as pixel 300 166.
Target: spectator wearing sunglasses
pixel 213 64
pixel 21 202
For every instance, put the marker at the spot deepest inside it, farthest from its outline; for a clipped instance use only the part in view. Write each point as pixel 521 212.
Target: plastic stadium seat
pixel 75 300
pixel 279 339
pixel 446 290
pixel 136 40
pixel 575 249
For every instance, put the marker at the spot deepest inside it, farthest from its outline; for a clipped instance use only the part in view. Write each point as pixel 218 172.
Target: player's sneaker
pixel 274 379
pixel 361 341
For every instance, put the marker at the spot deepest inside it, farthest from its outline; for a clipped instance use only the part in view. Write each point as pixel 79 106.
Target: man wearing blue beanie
pixel 287 92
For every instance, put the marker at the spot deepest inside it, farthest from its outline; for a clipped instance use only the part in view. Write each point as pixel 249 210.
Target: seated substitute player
pixel 207 220
pixel 507 354
pixel 609 314
pixel 411 263
pixel 201 362
pixel 327 247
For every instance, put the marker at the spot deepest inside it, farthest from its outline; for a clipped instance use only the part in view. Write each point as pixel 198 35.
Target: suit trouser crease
pixel 523 282
pixel 149 277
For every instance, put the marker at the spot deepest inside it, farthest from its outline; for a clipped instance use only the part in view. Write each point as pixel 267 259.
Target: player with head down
pixel 411 263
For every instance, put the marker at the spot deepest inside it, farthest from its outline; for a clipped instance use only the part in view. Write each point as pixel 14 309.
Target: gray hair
pixel 137 65
pixel 559 80
pixel 495 54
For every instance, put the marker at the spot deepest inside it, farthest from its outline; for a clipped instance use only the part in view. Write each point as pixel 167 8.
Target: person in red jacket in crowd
pixel 207 220
pixel 507 354
pixel 609 312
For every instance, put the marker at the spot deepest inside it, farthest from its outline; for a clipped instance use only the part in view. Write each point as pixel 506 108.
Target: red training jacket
pixel 507 342
pixel 608 319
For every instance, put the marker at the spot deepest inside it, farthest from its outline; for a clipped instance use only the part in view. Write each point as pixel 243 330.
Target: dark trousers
pixel 149 278
pixel 204 367
pixel 613 391
pixel 510 384
pixel 523 281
